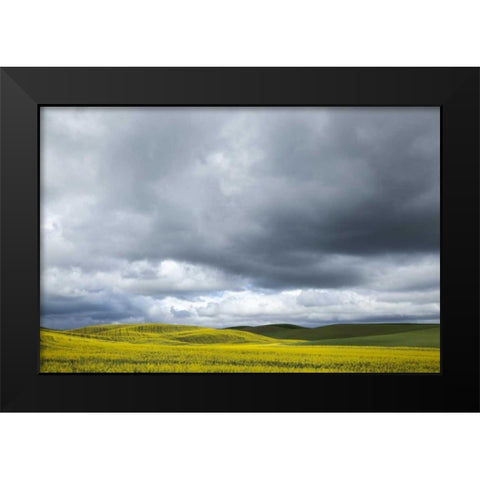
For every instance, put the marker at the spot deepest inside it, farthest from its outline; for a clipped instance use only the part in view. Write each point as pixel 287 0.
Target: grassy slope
pixel 167 334
pixel 393 334
pixel 417 338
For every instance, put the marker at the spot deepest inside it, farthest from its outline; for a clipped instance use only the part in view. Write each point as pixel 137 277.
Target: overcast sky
pixel 239 216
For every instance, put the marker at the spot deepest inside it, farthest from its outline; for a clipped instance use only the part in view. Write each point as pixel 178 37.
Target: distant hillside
pixel 386 334
pixel 280 330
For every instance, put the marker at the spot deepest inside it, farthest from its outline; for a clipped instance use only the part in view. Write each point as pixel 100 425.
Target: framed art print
pixel 240 239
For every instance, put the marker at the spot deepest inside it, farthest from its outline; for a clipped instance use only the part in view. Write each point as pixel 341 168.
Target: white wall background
pixel 239 446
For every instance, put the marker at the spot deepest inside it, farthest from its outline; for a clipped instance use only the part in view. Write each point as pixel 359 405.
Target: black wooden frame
pixel 24 90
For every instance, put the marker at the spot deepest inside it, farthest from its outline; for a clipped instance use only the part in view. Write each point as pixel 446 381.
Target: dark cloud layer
pixel 185 202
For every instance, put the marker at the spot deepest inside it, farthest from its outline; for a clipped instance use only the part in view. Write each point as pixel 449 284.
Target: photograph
pixel 236 239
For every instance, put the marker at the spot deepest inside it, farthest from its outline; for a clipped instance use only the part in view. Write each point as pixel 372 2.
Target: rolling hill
pixel 387 334
pixel 158 333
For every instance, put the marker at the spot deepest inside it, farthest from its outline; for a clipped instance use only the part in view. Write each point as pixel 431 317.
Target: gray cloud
pixel 155 204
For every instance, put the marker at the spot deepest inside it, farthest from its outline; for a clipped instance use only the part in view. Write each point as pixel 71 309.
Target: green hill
pixel 387 334
pixel 279 331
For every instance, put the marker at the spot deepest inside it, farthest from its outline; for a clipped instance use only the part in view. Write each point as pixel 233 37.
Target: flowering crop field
pixel 174 348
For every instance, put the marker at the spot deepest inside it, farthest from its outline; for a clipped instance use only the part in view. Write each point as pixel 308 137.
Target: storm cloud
pixel 226 216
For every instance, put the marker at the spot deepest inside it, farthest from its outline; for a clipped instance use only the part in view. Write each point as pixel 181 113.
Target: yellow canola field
pixel 71 352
